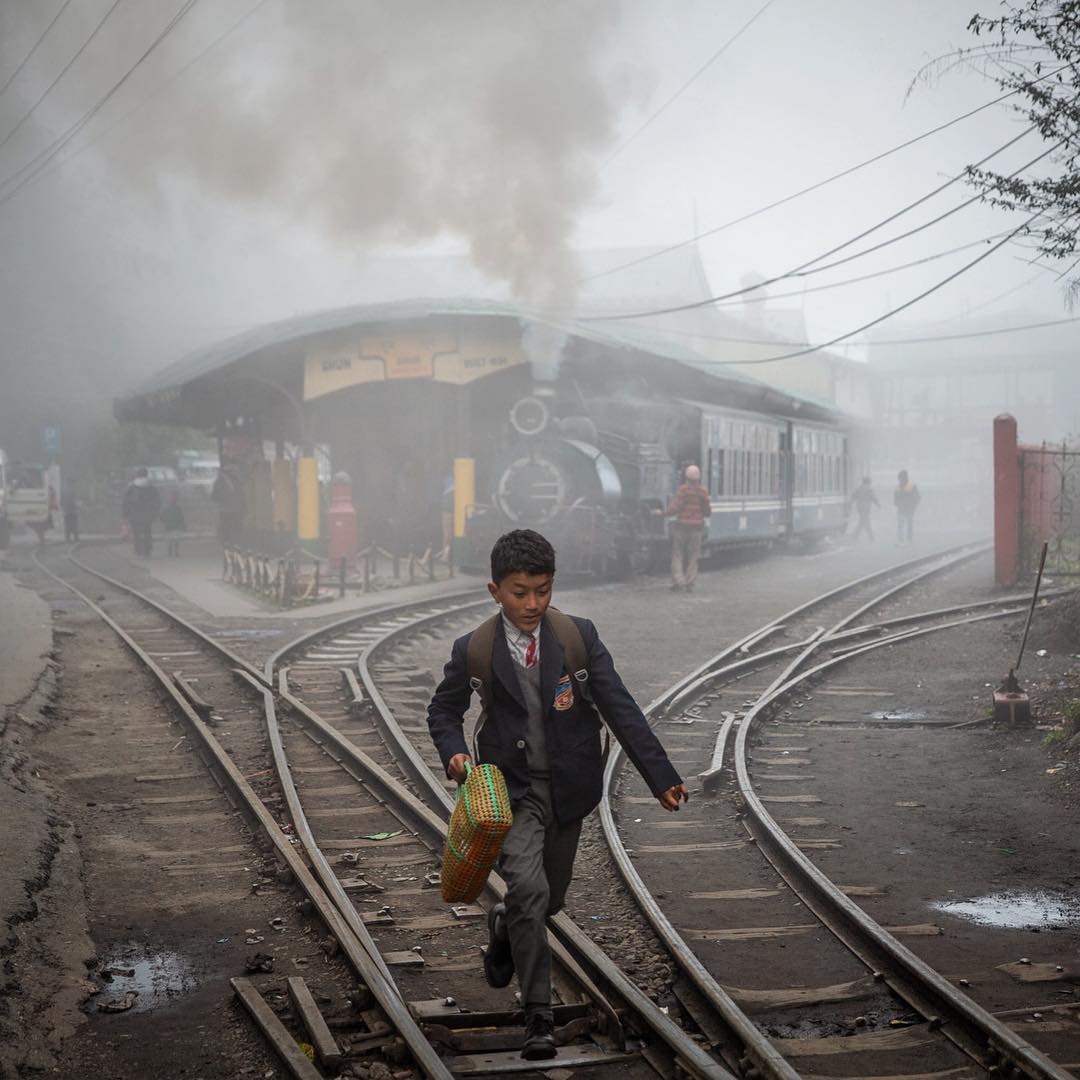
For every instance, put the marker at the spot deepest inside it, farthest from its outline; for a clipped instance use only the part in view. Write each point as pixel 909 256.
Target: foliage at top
pixel 1033 49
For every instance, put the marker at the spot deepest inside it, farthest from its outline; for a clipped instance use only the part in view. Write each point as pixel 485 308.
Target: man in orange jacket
pixel 689 506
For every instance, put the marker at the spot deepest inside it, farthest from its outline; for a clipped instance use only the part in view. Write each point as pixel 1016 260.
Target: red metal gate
pixel 1036 501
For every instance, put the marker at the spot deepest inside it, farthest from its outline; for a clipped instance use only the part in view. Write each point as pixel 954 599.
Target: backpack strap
pixel 478 667
pixel 569 637
pixel 577 661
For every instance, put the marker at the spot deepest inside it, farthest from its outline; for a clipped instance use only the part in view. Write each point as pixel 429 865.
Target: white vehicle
pixel 198 475
pixel 31 494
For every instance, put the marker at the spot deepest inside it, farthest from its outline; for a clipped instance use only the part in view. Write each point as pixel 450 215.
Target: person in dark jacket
pixel 545 737
pixel 69 505
pixel 905 498
pixel 690 506
pixel 141 505
pixel 172 517
pixel 864 500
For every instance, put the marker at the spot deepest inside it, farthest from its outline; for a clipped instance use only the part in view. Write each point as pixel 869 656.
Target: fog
pixel 264 157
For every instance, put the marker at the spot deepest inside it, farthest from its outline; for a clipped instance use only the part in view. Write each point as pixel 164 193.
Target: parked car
pixel 197 476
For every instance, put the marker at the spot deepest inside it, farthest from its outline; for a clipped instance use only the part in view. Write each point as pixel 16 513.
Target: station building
pixel 409 397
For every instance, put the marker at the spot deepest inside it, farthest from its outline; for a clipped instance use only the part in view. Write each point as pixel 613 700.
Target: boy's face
pixel 524 598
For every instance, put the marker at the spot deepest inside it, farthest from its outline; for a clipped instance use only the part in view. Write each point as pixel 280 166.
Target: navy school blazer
pixel 572 729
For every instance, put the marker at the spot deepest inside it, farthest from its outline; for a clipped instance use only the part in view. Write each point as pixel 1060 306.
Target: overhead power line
pixel 888 314
pixel 32 168
pixel 926 340
pixel 34 48
pixel 804 269
pixel 66 68
pixel 689 82
pixel 59 143
pixel 769 297
pixel 812 187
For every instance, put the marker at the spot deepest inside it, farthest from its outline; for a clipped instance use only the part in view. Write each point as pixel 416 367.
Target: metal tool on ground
pixel 1012 705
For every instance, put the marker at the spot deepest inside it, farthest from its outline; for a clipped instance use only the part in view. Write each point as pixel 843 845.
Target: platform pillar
pixel 307 499
pixel 464 493
pixel 284 496
pixel 1006 501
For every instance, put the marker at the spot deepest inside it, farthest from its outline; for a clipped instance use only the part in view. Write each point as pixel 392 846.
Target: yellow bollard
pixel 284 496
pixel 307 499
pixel 464 492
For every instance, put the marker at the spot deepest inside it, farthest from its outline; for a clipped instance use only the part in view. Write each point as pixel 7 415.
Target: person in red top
pixel 689 506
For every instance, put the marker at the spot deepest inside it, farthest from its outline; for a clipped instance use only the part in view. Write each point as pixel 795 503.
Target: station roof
pixel 613 281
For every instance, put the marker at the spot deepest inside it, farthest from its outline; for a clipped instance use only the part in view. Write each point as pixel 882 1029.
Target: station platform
pixel 196 575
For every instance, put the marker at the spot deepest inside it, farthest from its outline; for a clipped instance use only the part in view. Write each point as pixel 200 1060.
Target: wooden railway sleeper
pixel 386 993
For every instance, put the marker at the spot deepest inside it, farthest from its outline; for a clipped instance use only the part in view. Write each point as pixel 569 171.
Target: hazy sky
pixel 118 255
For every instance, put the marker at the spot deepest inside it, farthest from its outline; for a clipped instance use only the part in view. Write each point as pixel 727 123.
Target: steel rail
pixel 234 659
pixel 979 1034
pixel 667 698
pixel 754 1044
pixel 696 1061
pixel 276 659
pixel 435 826
pixel 352 946
pixel 691 1056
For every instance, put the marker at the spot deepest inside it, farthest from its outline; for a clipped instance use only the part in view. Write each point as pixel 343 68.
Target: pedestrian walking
pixel 172 518
pixel 905 498
pixel 864 500
pixel 689 506
pixel 69 505
pixel 544 680
pixel 228 493
pixel 140 506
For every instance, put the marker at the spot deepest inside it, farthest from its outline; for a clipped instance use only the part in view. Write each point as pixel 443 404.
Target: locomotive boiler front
pixel 555 479
pixel 552 477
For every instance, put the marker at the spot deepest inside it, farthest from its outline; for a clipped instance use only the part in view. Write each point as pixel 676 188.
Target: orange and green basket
pixel 478 826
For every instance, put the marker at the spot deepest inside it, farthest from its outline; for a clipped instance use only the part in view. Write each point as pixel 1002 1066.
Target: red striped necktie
pixel 530 652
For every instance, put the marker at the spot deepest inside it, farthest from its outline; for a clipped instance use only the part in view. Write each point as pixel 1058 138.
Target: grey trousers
pixel 537 861
pixel 685 552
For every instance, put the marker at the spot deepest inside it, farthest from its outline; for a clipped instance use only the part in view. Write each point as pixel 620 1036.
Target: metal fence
pixel 1050 507
pixel 302 577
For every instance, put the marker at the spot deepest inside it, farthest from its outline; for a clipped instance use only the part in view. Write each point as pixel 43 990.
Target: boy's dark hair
pixel 521 551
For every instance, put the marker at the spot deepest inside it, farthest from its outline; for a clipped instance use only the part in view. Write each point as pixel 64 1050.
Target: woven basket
pixel 478 825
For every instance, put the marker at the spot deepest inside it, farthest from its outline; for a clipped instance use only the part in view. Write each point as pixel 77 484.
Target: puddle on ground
pixel 911 716
pixel 158 978
pixel 1016 910
pixel 252 633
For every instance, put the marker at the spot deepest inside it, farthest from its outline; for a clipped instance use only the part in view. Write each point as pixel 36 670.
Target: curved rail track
pixel 368 808
pixel 595 1023
pixel 989 1042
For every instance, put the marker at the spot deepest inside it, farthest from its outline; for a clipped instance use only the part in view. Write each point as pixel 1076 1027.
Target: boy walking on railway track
pixel 542 677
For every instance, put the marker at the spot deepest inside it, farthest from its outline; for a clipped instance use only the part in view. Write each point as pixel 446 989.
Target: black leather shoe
pixel 539 1035
pixel 498 960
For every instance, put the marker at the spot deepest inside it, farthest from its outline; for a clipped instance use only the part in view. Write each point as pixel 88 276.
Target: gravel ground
pixel 655 636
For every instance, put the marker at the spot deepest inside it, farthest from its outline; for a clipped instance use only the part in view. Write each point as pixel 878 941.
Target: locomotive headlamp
pixel 529 416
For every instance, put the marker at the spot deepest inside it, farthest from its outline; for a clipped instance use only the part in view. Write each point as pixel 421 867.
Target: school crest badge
pixel 564 694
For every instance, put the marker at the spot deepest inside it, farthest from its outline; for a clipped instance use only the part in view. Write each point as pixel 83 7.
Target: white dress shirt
pixel 519 640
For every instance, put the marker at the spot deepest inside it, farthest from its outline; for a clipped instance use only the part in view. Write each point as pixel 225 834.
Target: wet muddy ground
pixel 935 816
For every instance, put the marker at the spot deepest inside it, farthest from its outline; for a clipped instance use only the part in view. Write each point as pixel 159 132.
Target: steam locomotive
pixel 591 479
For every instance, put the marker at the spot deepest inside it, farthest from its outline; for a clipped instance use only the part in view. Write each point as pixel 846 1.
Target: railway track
pixel 598 1025
pixel 341 716
pixel 956 1037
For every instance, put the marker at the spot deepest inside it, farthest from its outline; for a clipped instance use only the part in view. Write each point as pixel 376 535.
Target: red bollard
pixel 343 540
pixel 1006 501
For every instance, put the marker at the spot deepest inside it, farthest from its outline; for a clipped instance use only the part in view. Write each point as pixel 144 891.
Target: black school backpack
pixel 478 660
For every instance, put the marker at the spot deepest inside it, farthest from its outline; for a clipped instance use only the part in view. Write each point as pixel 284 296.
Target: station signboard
pixel 436 355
